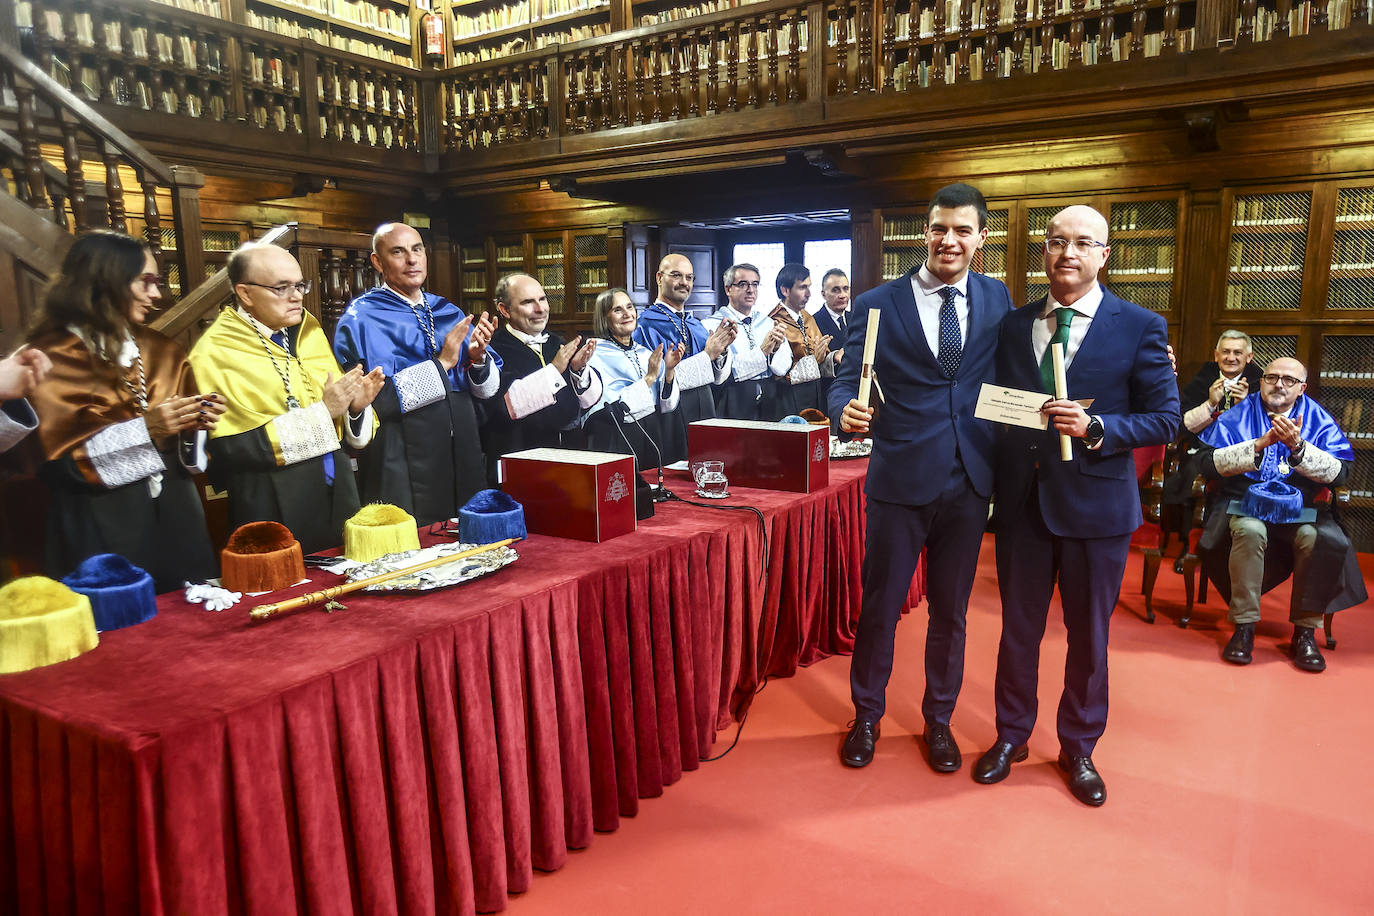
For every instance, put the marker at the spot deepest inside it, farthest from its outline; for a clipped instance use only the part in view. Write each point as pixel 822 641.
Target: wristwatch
pixel 1095 432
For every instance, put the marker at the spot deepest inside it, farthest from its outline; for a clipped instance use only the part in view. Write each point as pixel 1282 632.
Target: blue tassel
pixel 490 516
pixel 121 594
pixel 1273 501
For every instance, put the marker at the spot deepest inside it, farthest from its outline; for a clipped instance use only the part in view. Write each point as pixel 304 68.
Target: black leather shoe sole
pixel 995 765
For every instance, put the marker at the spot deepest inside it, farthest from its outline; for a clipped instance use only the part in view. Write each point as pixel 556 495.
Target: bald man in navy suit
pixel 1070 522
pixel 930 475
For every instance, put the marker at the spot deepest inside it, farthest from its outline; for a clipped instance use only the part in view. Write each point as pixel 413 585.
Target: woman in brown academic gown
pixel 120 420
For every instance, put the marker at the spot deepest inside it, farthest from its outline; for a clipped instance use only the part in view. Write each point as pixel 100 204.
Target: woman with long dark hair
pixel 637 383
pixel 120 420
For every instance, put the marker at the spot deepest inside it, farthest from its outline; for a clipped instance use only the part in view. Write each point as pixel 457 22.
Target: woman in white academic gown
pixel 638 384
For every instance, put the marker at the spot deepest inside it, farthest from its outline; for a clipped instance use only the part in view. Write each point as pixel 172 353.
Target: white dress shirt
pixel 925 286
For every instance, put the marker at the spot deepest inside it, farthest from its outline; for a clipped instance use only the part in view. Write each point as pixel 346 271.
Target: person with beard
pixel 427 457
pixel 641 390
pixel 278 449
pixel 758 354
pixel 545 384
pixel 811 364
pixel 1069 523
pixel 1274 452
pixel 706 355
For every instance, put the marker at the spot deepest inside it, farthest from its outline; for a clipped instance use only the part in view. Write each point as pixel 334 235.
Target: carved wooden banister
pixel 334 261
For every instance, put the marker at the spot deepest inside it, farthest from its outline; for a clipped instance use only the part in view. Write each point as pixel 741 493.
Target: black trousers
pixel 950 528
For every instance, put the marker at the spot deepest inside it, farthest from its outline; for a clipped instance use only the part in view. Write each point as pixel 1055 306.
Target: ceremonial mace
pixel 264 611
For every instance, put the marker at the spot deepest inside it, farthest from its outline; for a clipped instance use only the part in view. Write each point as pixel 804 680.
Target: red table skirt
pixel 412 753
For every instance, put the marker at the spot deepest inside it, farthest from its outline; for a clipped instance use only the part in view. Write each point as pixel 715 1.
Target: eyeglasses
pixel 1056 245
pixel 284 290
pixel 745 284
pixel 1287 381
pixel 151 282
pixel 677 275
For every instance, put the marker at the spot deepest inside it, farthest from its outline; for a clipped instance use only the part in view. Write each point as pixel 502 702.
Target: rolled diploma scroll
pixel 1061 391
pixel 870 344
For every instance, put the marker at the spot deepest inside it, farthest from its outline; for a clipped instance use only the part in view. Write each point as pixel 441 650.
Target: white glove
pixel 212 596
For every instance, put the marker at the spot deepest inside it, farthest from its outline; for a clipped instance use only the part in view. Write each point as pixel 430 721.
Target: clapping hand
pixel 340 393
pixel 21 373
pixel 371 385
pixel 481 336
pixel 720 339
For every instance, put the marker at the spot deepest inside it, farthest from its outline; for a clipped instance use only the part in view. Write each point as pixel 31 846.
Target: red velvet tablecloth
pixel 412 753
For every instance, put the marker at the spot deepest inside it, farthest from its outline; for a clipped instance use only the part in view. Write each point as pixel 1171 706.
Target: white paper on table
pixel 1015 406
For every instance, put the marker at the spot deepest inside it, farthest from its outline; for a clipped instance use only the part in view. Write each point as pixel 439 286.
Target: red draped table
pixel 414 753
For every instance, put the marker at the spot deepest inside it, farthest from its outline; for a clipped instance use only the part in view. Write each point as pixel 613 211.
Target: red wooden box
pixel 587 496
pixel 770 456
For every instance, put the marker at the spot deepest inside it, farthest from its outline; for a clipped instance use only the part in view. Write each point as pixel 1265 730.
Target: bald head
pixel 1283 382
pixel 265 281
pixel 398 253
pixel 675 280
pixel 1075 252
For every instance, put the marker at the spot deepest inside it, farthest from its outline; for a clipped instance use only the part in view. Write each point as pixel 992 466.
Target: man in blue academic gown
pixel 930 476
pixel 1070 522
pixel 668 322
pixel 427 457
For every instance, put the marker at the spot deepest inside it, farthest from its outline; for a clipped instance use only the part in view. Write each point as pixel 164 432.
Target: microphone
pixel 659 492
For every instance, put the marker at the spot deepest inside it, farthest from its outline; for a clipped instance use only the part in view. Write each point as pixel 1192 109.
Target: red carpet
pixel 1229 790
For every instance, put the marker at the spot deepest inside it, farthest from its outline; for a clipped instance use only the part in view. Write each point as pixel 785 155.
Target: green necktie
pixel 1063 317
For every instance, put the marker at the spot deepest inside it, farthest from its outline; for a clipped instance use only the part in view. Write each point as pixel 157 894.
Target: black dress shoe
pixel 1239 651
pixel 1306 655
pixel 994 765
pixel 944 753
pixel 1084 782
pixel 858 744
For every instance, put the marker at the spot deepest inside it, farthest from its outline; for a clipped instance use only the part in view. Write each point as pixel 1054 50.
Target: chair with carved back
pixel 1183 521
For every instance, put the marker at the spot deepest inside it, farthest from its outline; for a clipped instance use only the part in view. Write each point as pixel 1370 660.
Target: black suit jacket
pixel 502 435
pixel 926 419
pixel 828 325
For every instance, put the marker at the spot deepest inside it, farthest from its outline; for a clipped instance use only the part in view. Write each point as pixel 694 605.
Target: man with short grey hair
pixel 758 353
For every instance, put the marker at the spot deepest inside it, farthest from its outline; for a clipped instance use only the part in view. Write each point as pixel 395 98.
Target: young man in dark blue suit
pixel 930 475
pixel 1071 521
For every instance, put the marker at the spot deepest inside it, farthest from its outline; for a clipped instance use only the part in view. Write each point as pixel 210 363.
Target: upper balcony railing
pixel 776 54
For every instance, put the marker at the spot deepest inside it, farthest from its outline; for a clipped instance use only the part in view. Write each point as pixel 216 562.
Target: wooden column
pixel 1203 292
pixel 186 185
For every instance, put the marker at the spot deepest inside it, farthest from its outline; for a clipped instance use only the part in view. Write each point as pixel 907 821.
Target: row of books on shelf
pixel 368 49
pixel 1352 252
pixel 363 94
pixel 1254 296
pixel 896 263
pixel 1362 368
pixel 286 27
pixel 522 13
pixel 1133 257
pixel 1350 294
pixel 356 12
pixel 1120 49
pixel 1270 211
pixel 520 43
pixel 204 7
pixel 1130 217
pixel 1299 19
pixel 592 276
pixel 1267 252
pixel 1355 205
pixel 548 250
pixel 510 253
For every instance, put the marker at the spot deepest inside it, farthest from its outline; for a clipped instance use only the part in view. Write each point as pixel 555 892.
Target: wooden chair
pixel 1182 520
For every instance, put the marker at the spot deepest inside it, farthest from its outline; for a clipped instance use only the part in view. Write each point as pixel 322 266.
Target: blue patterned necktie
pixel 279 339
pixel 951 345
